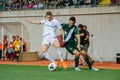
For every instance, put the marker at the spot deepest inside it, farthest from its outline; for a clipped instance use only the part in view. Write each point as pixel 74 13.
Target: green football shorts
pixel 70 48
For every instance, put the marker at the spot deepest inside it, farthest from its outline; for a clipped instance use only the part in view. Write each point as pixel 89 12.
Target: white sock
pixel 47 56
pixel 59 51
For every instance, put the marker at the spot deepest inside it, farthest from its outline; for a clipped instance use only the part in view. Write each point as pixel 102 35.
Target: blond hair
pixel 48 13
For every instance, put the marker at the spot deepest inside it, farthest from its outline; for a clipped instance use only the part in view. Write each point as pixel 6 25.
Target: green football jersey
pixel 67 29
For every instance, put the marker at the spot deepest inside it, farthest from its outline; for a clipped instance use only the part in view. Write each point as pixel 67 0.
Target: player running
pixel 72 43
pixel 49 37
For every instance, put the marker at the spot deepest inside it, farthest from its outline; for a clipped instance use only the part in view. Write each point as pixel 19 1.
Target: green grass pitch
pixel 20 72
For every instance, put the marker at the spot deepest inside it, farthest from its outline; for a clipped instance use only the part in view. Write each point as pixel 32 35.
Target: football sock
pixel 76 59
pixel 89 57
pixel 59 51
pixel 47 56
pixel 88 62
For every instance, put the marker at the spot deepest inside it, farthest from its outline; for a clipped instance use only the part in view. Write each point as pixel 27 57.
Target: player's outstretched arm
pixel 33 22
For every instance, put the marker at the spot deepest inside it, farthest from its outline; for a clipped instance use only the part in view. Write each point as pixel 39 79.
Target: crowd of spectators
pixel 47 4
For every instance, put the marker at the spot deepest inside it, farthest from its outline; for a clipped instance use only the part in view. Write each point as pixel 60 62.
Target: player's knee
pixel 44 48
pixel 83 52
pixel 57 45
pixel 76 53
pixel 43 51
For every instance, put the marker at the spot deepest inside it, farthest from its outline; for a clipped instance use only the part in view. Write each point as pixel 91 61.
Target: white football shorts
pixel 48 39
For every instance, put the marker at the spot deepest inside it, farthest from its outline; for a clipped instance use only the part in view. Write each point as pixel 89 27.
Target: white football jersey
pixel 50 26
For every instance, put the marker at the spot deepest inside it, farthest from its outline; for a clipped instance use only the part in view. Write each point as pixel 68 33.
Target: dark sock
pixel 88 62
pixel 76 59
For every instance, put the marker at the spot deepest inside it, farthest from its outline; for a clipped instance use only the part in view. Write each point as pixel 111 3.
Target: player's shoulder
pixel 75 27
pixel 65 24
pixel 55 20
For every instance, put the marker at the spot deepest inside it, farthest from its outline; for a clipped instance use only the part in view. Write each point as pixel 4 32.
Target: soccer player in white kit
pixel 49 36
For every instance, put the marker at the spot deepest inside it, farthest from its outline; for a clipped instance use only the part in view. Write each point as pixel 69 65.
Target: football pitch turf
pixel 20 72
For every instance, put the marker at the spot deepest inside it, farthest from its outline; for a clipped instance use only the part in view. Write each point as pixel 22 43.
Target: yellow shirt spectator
pixel 17 45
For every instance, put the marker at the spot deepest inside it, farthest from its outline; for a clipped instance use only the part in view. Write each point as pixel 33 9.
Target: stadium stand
pixel 105 2
pixel 52 4
pixel 1 4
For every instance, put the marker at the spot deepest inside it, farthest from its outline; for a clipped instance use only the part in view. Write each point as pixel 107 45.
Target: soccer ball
pixel 52 66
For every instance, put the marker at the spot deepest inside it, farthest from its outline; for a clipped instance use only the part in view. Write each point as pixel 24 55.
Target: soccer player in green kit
pixel 71 39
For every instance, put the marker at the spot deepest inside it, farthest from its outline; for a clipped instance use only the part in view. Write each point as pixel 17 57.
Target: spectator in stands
pixel 44 4
pixel 9 5
pixel 119 2
pixel 70 2
pixel 65 3
pixel 76 3
pixel 16 4
pixel 93 3
pixel 52 4
pixel 23 45
pixel 25 4
pixel 30 5
pixel 40 5
pixel 12 5
pixel 58 4
pixel 115 2
pixel 1 4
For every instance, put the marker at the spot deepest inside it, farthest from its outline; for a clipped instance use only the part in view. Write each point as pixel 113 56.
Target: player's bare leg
pixel 45 53
pixel 82 61
pixel 76 59
pixel 59 51
pixel 86 58
pixel 84 53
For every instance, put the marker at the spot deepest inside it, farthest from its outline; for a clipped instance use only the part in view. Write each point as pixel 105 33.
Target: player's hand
pixel 78 46
pixel 63 40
